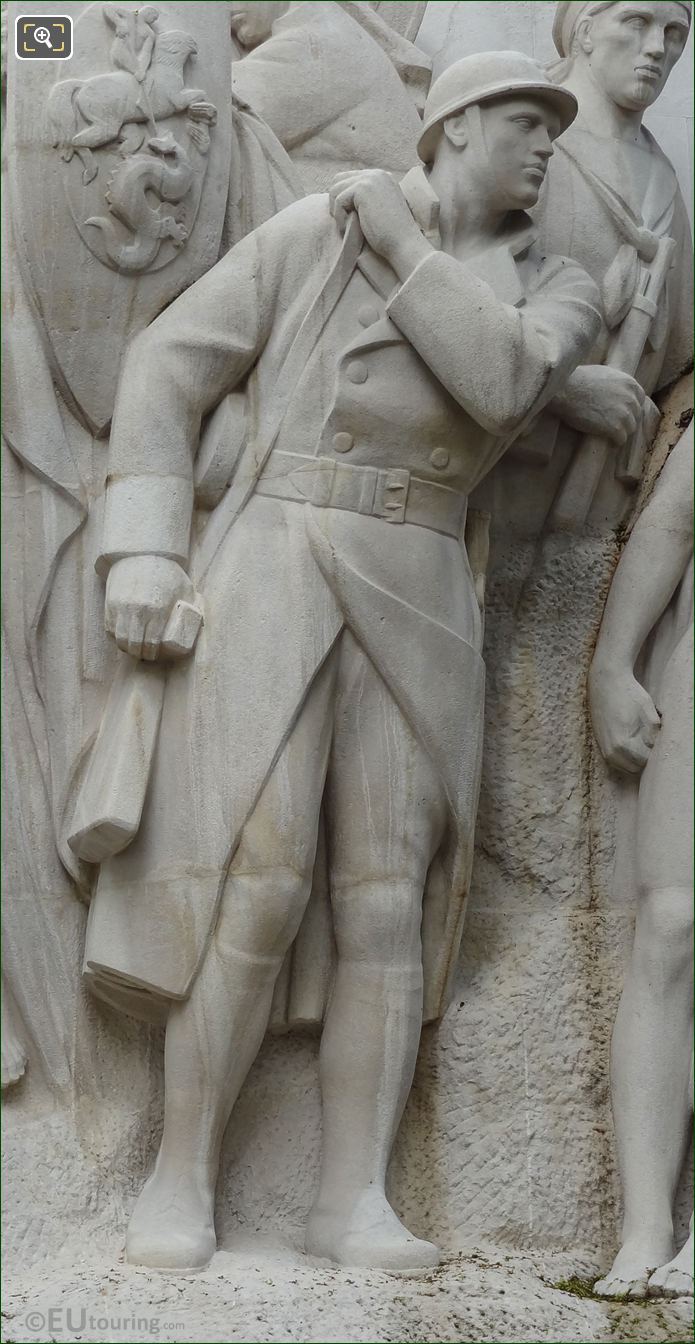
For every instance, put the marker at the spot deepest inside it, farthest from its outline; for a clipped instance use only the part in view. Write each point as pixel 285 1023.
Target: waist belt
pixel 389 493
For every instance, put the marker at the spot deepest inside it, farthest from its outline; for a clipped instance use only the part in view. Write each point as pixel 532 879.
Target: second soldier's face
pixel 633 49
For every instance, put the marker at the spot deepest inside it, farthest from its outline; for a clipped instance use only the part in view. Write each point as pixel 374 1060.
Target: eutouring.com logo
pixel 64 1323
pixel 39 37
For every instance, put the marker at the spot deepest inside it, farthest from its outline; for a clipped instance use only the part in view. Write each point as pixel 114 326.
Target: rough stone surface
pixel 505 1156
pixel 261 1289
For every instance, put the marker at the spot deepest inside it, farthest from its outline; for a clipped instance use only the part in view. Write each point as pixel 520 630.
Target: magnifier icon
pixel 43 36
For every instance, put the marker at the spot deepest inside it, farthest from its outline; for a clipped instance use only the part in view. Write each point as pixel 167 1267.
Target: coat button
pixel 343 442
pixel 439 458
pixel 357 371
pixel 367 315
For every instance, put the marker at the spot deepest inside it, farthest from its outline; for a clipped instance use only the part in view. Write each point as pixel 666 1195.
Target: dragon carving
pixel 169 175
pixel 119 109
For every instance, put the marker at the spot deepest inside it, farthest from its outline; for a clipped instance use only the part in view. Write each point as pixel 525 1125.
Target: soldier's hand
pixel 141 592
pixel 625 719
pixel 387 224
pixel 604 401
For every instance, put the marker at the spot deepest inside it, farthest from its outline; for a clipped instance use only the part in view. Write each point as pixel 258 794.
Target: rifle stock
pixel 581 481
pixel 112 795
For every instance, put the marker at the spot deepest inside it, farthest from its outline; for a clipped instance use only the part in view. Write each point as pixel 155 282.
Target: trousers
pixel 351 751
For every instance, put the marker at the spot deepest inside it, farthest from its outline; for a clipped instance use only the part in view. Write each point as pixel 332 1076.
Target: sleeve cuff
pixel 146 515
pixel 401 300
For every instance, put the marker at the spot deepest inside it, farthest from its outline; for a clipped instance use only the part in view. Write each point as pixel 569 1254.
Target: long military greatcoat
pixel 434 376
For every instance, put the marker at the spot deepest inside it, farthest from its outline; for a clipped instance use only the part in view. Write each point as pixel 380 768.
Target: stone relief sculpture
pixel 294 443
pixel 609 200
pixel 629 230
pixel 337 85
pixel 111 110
pixel 651 730
pixel 59 377
pixel 394 343
pixel 612 202
pixel 141 170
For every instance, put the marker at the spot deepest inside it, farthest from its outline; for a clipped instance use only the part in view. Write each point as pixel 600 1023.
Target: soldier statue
pixel 393 340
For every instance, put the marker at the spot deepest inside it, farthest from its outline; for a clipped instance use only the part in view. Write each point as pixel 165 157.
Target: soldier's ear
pixel 455 129
pixel 583 40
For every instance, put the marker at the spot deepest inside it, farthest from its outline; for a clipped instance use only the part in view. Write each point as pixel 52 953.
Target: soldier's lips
pixel 648 71
pixel 534 170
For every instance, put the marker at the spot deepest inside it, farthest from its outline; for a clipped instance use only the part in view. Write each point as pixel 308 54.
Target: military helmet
pixel 489 74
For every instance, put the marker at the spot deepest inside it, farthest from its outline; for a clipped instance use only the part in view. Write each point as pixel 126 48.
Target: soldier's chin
pixel 526 194
pixel 641 94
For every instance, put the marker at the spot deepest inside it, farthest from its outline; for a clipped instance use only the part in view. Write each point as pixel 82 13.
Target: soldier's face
pixel 253 20
pixel 517 136
pixel 632 48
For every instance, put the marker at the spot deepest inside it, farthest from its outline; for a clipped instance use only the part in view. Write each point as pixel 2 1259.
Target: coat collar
pixel 604 159
pixel 496 264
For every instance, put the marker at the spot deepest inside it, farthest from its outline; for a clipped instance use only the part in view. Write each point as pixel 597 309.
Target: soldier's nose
pixel 655 45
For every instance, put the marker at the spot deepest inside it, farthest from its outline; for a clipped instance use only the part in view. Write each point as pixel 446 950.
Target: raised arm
pixel 501 363
pixel 650 569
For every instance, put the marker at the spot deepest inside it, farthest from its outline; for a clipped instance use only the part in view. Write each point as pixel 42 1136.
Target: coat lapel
pixel 257 451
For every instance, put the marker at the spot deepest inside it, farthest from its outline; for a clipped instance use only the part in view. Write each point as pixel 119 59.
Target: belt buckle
pixel 391 495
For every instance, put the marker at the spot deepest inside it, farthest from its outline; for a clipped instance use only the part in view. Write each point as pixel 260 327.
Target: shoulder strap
pixel 257 452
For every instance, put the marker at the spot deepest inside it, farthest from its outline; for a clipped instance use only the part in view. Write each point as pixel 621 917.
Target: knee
pixel 378 921
pixel 664 928
pixel 261 912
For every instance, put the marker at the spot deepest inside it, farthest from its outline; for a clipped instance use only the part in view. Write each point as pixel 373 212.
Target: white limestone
pixel 652 1039
pixel 341 573
pixel 435 355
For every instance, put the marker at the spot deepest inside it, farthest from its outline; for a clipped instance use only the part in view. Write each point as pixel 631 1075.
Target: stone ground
pixel 261 1290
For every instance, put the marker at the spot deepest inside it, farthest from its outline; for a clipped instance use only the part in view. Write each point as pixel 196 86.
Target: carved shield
pixel 119 161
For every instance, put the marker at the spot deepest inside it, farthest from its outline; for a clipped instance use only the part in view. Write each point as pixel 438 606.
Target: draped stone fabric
pixel 332 94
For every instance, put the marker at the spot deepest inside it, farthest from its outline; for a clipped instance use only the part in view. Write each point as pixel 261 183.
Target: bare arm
pixel 650 569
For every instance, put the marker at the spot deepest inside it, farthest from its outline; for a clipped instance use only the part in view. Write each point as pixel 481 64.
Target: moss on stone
pixel 578 1288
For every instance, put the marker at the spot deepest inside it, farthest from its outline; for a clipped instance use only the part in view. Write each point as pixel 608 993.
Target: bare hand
pixel 604 401
pixel 384 215
pixel 141 592
pixel 625 719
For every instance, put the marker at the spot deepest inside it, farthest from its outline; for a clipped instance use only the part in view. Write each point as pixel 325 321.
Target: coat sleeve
pixel 501 363
pixel 177 370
